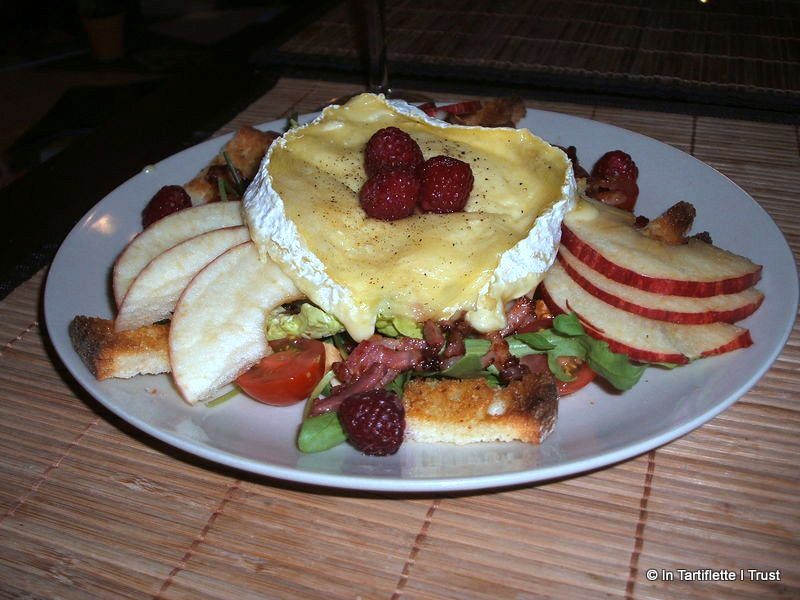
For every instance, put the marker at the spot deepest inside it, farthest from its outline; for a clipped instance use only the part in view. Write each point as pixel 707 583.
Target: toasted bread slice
pixel 106 353
pixel 245 149
pixel 470 410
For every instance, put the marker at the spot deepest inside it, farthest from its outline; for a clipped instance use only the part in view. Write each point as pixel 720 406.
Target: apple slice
pixel 642 339
pixel 727 308
pixel 217 329
pixel 167 232
pixel 153 294
pixel 605 239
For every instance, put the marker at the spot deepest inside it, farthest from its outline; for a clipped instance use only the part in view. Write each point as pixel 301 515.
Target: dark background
pixel 73 127
pixel 75 124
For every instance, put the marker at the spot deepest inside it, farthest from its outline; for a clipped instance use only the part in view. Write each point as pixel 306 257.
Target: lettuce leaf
pixel 320 433
pixel 469 365
pixel 568 338
pixel 310 322
pixel 397 326
pixel 323 431
pixel 615 368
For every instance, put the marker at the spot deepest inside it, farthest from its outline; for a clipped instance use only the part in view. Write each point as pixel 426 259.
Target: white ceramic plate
pixel 594 428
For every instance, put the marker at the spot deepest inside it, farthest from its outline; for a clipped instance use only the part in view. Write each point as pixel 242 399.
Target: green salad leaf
pixel 469 365
pixel 223 398
pixel 293 121
pixel 568 338
pixel 320 433
pixel 323 431
pixel 613 367
pixel 342 343
pixel 568 325
pixel 221 187
pixel 238 184
pixel 398 385
pixel 323 388
pixel 310 322
pixel 397 326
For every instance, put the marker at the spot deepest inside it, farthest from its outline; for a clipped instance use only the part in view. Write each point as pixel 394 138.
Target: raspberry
pixel 374 421
pixel 167 200
pixel 391 149
pixel 390 195
pixel 615 165
pixel 446 184
pixel 613 180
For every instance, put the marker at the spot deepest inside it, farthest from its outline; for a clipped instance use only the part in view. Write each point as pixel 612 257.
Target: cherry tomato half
pixel 537 363
pixel 580 371
pixel 287 375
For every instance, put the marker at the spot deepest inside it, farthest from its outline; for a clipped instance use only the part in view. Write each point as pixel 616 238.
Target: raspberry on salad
pixel 615 165
pixel 167 200
pixel 446 184
pixel 391 149
pixel 390 195
pixel 374 421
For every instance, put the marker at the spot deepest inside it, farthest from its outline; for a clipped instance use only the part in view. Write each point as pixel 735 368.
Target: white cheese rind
pixel 519 270
pixel 522 266
pixel 276 237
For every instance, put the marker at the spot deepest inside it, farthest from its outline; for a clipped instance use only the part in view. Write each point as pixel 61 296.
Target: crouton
pixel 245 150
pixel 470 410
pixel 124 354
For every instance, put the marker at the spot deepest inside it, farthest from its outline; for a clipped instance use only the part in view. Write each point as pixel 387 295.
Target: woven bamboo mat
pixel 91 508
pixel 740 53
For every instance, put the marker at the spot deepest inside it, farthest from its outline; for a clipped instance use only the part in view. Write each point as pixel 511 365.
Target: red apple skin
pixel 696 318
pixel 632 353
pixel 674 287
pixel 638 354
pixel 743 341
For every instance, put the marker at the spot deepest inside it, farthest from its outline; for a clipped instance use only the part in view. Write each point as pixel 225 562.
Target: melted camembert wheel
pixel 303 211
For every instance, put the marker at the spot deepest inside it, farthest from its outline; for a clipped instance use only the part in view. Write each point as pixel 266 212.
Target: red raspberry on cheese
pixel 391 149
pixel 390 195
pixel 445 185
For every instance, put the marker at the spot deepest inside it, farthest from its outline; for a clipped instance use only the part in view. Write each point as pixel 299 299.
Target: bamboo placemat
pixel 739 53
pixel 91 508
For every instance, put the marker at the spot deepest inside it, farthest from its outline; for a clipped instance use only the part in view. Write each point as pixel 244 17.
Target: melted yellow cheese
pixel 427 265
